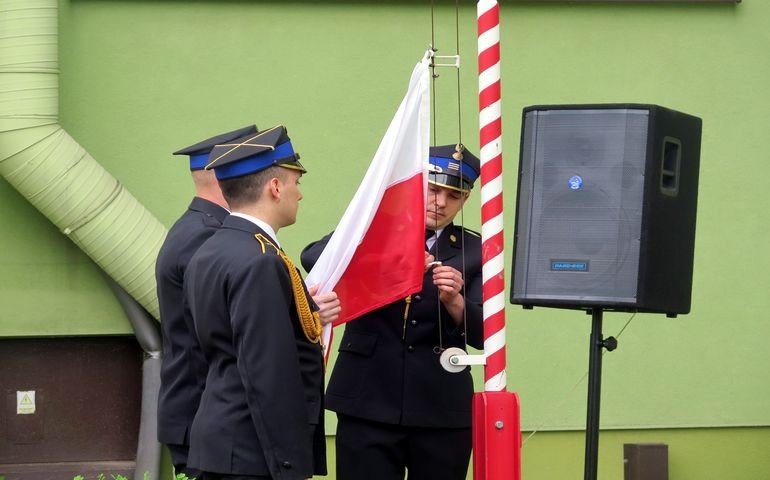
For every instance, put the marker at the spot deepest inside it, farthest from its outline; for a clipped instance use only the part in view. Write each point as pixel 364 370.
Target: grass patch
pixel 102 476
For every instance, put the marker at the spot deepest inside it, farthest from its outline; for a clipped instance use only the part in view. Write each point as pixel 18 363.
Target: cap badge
pixel 459 148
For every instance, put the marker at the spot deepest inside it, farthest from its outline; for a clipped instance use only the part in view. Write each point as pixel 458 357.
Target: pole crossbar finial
pixel 455 63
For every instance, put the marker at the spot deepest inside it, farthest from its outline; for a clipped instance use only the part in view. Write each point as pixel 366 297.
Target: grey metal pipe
pixel 148 450
pixel 146 328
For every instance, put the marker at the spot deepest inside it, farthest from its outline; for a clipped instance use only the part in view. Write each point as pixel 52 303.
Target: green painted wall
pixel 140 79
pixel 731 453
pixel 48 286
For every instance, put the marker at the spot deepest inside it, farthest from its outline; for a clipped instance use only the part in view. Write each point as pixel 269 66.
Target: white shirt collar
pixel 432 240
pixel 261 224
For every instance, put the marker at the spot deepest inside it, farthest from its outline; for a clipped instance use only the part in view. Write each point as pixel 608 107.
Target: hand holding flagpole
pixel 328 305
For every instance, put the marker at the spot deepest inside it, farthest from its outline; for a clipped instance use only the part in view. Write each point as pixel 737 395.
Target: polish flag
pixel 376 255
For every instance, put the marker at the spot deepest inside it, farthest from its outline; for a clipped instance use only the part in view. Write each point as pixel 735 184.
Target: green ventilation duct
pixel 51 170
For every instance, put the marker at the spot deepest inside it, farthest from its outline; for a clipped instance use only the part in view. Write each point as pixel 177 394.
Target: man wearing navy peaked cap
pixel 183 368
pixel 399 411
pixel 261 413
pixel 254 153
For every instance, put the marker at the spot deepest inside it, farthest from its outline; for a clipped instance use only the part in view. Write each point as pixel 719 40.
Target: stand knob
pixel 610 343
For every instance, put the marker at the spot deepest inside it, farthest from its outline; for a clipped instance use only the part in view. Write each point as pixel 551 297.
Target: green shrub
pixel 101 476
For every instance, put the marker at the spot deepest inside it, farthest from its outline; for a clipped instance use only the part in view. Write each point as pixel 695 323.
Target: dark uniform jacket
pixel 388 366
pixel 261 412
pixel 183 368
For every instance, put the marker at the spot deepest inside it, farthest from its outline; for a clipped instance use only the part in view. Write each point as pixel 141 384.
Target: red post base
pixel 496 436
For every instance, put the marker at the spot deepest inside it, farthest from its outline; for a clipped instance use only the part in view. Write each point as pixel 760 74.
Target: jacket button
pixel 286 465
pixel 410 349
pixel 417 298
pixel 414 322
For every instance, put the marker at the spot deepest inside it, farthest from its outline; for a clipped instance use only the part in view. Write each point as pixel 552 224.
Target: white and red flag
pixel 376 255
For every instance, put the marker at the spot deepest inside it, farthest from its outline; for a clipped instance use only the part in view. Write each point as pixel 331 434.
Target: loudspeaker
pixel 605 208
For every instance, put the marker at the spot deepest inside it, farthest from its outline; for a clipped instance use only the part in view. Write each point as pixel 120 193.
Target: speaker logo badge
pixel 569 265
pixel 575 182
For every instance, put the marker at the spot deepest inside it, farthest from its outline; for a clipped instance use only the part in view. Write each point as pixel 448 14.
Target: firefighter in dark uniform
pixel 398 409
pixel 261 412
pixel 183 368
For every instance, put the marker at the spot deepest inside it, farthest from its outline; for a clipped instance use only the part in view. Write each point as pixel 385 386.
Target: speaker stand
pixel 595 390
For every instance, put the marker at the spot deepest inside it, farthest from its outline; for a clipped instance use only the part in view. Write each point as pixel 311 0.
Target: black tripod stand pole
pixel 594 395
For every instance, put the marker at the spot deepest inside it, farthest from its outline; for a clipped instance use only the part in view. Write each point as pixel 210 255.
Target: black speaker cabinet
pixel 605 208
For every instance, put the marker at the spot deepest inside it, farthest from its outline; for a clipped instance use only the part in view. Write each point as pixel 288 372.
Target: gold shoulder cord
pixel 308 319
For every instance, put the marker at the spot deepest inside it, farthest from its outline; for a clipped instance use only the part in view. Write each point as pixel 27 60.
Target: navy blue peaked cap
pixel 254 153
pixel 453 166
pixel 199 153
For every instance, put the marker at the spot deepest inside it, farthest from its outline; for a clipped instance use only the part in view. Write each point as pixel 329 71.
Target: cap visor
pixel 292 164
pixel 449 181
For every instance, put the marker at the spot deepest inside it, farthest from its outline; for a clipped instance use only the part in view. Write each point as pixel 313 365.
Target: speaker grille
pixel 580 197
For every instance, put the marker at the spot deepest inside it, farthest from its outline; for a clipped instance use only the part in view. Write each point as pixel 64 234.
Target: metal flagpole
pixel 496 424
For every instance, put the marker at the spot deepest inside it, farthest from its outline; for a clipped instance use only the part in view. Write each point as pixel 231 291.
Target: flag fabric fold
pixel 376 254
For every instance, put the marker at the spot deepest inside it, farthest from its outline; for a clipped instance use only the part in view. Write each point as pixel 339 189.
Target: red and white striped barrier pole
pixel 496 424
pixel 491 155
